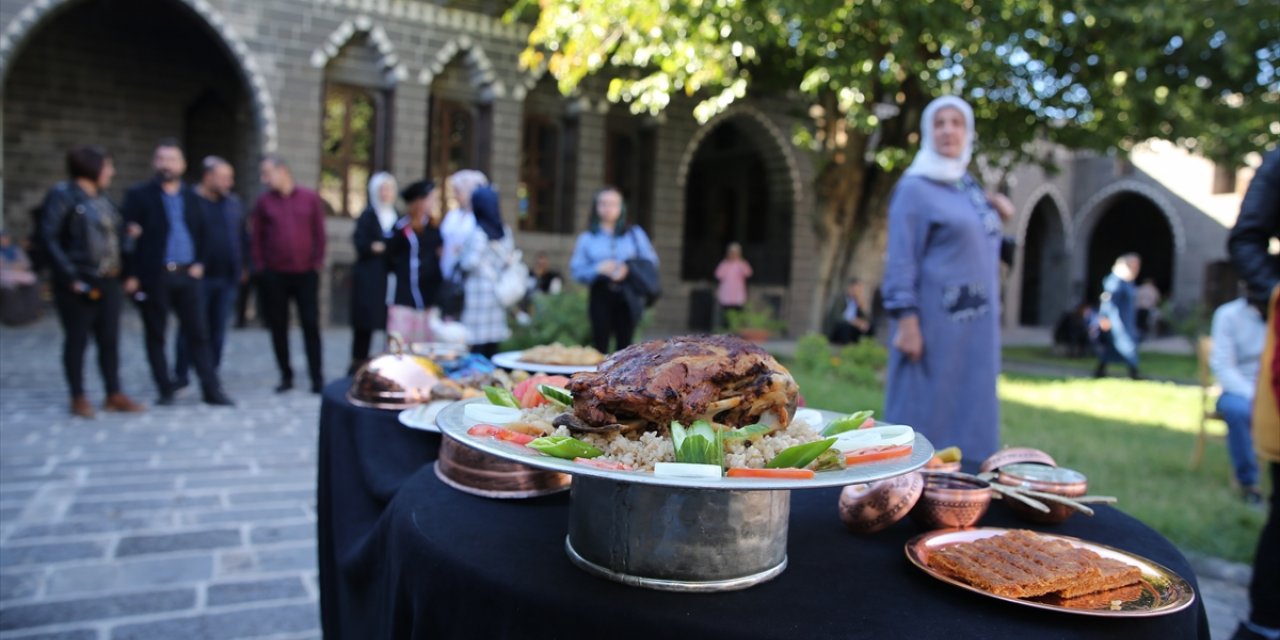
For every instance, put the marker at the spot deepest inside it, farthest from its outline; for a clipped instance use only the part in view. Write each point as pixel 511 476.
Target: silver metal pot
pixel 675 539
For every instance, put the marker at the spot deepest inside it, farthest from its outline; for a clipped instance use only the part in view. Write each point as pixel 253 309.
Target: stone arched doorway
pixel 1130 222
pixel 737 189
pixel 1045 266
pixel 124 75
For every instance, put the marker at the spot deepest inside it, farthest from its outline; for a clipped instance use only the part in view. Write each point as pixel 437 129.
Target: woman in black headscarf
pixel 485 254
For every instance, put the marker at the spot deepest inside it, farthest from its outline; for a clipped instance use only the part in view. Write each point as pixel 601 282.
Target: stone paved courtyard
pixel 190 522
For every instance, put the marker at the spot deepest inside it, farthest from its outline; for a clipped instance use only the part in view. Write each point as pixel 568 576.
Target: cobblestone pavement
pixel 191 522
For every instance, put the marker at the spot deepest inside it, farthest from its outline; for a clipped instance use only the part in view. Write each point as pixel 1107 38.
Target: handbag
pixel 453 294
pixel 642 277
pixel 511 284
pixel 411 324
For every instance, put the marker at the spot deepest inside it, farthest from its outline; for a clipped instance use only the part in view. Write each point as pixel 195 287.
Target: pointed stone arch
pixel 481 74
pixel 39 12
pixel 392 69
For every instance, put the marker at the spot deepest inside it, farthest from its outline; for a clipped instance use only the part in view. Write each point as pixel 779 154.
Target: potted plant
pixel 753 322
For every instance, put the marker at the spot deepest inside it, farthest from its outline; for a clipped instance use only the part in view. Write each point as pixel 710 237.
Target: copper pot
pixel 868 508
pixel 478 473
pixel 394 380
pixel 951 500
pixel 1037 477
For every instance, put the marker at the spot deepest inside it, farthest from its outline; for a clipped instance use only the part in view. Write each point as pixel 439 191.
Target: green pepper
pixel 749 432
pixel 847 423
pixel 557 395
pixel 801 455
pixel 830 460
pixel 501 397
pixel 701 443
pixel 564 447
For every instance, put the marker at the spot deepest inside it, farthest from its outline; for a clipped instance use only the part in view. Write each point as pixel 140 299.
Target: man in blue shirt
pixel 226 249
pixel 164 267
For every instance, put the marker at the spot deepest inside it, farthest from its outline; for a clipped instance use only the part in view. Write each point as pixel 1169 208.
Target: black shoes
pixel 284 386
pixel 166 400
pixel 218 399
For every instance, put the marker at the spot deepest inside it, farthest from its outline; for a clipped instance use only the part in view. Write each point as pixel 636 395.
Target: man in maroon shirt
pixel 287 243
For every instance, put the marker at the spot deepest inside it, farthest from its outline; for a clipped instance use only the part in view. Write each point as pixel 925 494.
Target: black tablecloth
pixel 365 457
pixel 444 564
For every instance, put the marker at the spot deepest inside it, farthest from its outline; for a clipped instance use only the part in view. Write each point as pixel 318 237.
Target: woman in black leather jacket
pixel 83 235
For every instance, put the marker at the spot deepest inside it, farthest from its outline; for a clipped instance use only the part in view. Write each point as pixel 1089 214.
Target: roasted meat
pixel 720 378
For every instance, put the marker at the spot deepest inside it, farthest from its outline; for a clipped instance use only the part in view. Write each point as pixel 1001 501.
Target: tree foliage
pixel 1086 74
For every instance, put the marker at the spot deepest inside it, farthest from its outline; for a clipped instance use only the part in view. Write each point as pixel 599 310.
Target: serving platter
pixel 511 360
pixel 423 416
pixel 1163 591
pixel 454 423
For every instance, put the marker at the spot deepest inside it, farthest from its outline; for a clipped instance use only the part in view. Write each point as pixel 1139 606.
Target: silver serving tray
pixel 453 423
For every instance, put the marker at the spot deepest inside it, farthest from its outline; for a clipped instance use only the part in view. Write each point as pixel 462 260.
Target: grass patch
pixel 1167 366
pixel 1133 439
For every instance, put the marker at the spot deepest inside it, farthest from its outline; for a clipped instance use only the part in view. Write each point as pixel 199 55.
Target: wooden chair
pixel 1209 392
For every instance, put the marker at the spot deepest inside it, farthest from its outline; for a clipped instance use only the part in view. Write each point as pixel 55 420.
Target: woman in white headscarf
pixel 941 289
pixel 371 274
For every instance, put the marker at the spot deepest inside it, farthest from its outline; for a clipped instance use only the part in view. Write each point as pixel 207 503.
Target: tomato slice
pixel 868 423
pixel 607 465
pixel 787 474
pixel 875 454
pixel 498 433
pixel 483 431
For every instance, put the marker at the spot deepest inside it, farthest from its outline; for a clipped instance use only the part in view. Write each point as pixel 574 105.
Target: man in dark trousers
pixel 287 239
pixel 164 269
pixel 226 249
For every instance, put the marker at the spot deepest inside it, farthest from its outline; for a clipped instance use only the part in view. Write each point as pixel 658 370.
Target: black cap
pixel 419 189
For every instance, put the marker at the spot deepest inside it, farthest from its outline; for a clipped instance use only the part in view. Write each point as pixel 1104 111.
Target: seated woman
pixel 19 297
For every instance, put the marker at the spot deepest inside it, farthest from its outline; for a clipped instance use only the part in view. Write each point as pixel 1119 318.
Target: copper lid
pixel 1041 474
pixel 394 380
pixel 1014 455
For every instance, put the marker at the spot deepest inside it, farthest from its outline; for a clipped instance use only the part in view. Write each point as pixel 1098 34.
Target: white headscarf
pixel 386 210
pixel 933 165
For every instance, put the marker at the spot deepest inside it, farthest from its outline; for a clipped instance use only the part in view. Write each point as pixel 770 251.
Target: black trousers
pixel 845 333
pixel 276 289
pixel 82 316
pixel 242 301
pixel 184 296
pixel 1264 589
pixel 361 343
pixel 610 315
pixel 486 349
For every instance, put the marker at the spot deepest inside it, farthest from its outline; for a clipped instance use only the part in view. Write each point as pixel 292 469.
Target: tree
pixel 1089 74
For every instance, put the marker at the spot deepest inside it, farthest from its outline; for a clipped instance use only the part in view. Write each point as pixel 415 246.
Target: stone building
pixel 343 88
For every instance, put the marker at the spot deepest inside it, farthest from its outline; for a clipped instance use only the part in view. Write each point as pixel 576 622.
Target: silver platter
pixel 454 424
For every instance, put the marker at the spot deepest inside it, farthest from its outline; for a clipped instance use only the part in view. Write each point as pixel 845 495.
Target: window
pixel 354 145
pixel 629 158
pixel 453 130
pixel 539 176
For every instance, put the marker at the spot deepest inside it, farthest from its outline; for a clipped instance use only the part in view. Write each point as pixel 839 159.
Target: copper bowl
pixel 395 380
pixel 488 476
pixel 1037 477
pixel 951 500
pixel 868 508
pixel 1016 455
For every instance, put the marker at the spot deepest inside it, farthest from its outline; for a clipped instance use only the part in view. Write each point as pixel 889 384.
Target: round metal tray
pixel 454 424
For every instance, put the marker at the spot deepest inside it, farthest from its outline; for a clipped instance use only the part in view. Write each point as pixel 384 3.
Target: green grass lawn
pixel 1133 439
pixel 1166 366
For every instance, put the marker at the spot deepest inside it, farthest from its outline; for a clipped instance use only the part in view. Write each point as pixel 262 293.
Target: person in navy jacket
pixel 164 267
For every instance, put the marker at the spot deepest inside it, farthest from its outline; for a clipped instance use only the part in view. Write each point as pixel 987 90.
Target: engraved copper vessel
pixel 1037 477
pixel 951 500
pixel 478 473
pixel 868 508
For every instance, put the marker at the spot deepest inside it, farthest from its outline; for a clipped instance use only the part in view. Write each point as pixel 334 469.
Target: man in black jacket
pixel 165 267
pixel 1257 226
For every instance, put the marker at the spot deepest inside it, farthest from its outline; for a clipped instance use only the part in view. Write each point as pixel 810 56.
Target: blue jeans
pixel 1237 412
pixel 219 301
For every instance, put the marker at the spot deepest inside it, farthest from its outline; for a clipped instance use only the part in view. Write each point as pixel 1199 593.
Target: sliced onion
pixel 687 470
pixel 491 414
pixel 810 417
pixel 891 435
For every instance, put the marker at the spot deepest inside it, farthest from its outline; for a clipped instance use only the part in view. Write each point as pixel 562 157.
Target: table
pixel 444 564
pixel 365 457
